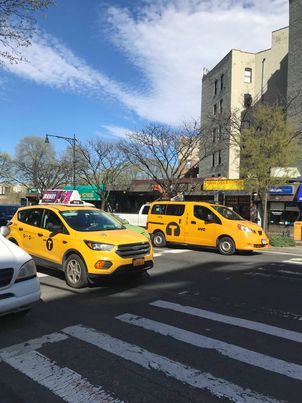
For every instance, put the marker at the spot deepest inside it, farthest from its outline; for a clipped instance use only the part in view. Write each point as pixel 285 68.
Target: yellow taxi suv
pixel 204 224
pixel 83 241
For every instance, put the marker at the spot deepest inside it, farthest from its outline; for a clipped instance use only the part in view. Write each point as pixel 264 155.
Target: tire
pixel 75 272
pixel 159 239
pixel 226 246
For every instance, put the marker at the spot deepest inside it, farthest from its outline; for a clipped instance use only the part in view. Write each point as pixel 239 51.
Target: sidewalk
pixel 297 250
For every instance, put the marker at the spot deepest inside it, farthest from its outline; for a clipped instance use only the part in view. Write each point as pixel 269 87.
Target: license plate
pixel 263 241
pixel 138 262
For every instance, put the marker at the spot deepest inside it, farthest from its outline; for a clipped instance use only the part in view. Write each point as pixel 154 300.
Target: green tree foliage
pixel 17 25
pixel 268 143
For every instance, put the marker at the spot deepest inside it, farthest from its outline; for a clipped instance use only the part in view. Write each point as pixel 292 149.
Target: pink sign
pixel 57 196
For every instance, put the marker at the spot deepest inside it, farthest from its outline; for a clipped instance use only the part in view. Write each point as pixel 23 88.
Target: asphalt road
pixel 199 327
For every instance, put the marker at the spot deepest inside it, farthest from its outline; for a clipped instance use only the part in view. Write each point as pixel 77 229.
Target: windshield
pixel 8 211
pixel 90 220
pixel 227 213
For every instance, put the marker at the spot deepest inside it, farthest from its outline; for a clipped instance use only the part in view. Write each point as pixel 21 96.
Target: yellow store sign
pixel 223 184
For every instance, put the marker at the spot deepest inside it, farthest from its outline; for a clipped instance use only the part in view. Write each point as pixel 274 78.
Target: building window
pixel 247 100
pixel 213 159
pixel 220 132
pixel 247 75
pixel 215 109
pixel 221 106
pixel 215 87
pixel 221 82
pixel 214 135
pixel 219 158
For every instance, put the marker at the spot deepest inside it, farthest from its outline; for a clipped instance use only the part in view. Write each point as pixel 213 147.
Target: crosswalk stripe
pixel 229 350
pixel 231 320
pixel 216 386
pixel 63 382
pixel 293 261
pixel 30 345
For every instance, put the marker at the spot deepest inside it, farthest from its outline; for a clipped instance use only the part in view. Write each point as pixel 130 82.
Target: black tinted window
pixel 158 209
pixel 52 222
pixel 31 217
pixel 175 209
pixel 8 211
pixel 146 210
pixel 205 214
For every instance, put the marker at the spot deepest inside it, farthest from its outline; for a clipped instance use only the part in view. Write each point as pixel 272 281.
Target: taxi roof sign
pixel 61 196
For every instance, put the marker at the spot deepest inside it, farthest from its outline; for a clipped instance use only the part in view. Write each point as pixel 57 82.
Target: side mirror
pixel 4 230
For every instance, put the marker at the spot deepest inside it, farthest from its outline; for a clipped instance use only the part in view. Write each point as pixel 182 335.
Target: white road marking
pixel 231 320
pixel 216 386
pixel 63 382
pixel 31 345
pixel 293 261
pixel 272 364
pixel 161 252
pixel 42 275
pixel 280 253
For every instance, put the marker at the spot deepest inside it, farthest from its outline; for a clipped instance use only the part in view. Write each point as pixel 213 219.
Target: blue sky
pixel 98 68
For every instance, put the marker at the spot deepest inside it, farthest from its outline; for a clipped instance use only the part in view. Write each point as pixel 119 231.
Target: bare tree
pixel 163 154
pixel 101 165
pixel 6 168
pixel 17 24
pixel 37 166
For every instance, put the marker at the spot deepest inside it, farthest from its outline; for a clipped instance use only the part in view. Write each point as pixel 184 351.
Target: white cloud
pixel 170 41
pixel 173 40
pixel 116 131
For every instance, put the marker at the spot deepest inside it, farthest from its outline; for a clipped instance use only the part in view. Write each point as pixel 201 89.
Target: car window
pixel 31 216
pixel 158 209
pixel 8 210
pixel 52 222
pixel 146 210
pixel 90 220
pixel 175 209
pixel 203 213
pixel 228 213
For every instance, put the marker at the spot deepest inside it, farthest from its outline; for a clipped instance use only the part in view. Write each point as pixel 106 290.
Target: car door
pixel 29 223
pixel 54 237
pixel 203 226
pixel 175 222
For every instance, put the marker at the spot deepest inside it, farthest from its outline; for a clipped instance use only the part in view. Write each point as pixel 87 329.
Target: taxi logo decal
pixel 49 244
pixel 173 229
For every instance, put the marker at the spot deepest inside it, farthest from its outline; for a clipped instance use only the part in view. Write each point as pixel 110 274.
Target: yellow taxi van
pixel 203 224
pixel 83 241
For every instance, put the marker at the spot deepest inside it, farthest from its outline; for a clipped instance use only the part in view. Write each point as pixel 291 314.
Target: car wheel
pixel 226 246
pixel 159 239
pixel 75 272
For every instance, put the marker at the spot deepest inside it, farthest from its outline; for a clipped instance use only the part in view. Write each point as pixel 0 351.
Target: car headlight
pixel 244 228
pixel 27 270
pixel 99 246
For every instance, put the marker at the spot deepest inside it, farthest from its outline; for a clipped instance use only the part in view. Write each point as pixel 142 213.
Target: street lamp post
pixel 72 141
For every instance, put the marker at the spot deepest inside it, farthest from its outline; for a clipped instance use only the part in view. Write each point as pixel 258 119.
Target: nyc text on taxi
pixel 204 224
pixel 84 242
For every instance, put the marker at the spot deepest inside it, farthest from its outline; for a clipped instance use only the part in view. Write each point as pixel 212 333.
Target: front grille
pixel 260 232
pixel 133 250
pixel 6 276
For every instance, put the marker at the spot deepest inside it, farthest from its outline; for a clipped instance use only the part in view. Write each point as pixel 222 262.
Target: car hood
pixel 115 237
pixel 11 255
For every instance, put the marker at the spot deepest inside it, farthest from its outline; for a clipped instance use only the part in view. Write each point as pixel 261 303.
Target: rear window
pixel 158 209
pixel 146 210
pixel 175 209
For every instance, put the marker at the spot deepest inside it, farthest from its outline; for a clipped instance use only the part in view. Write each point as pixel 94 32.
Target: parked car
pixel 19 285
pixel 139 218
pixel 135 228
pixel 6 212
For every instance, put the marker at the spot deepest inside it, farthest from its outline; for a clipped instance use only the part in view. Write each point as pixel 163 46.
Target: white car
pixel 19 285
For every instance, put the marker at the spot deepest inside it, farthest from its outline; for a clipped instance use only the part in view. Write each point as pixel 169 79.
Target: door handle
pixel 193 222
pixel 64 241
pixel 179 221
pixel 39 234
pixel 20 229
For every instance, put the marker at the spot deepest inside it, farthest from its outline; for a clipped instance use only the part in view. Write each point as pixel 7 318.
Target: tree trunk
pixel 264 220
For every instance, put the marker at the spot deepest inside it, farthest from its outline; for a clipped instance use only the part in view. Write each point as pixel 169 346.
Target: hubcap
pixel 158 240
pixel 73 271
pixel 226 246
